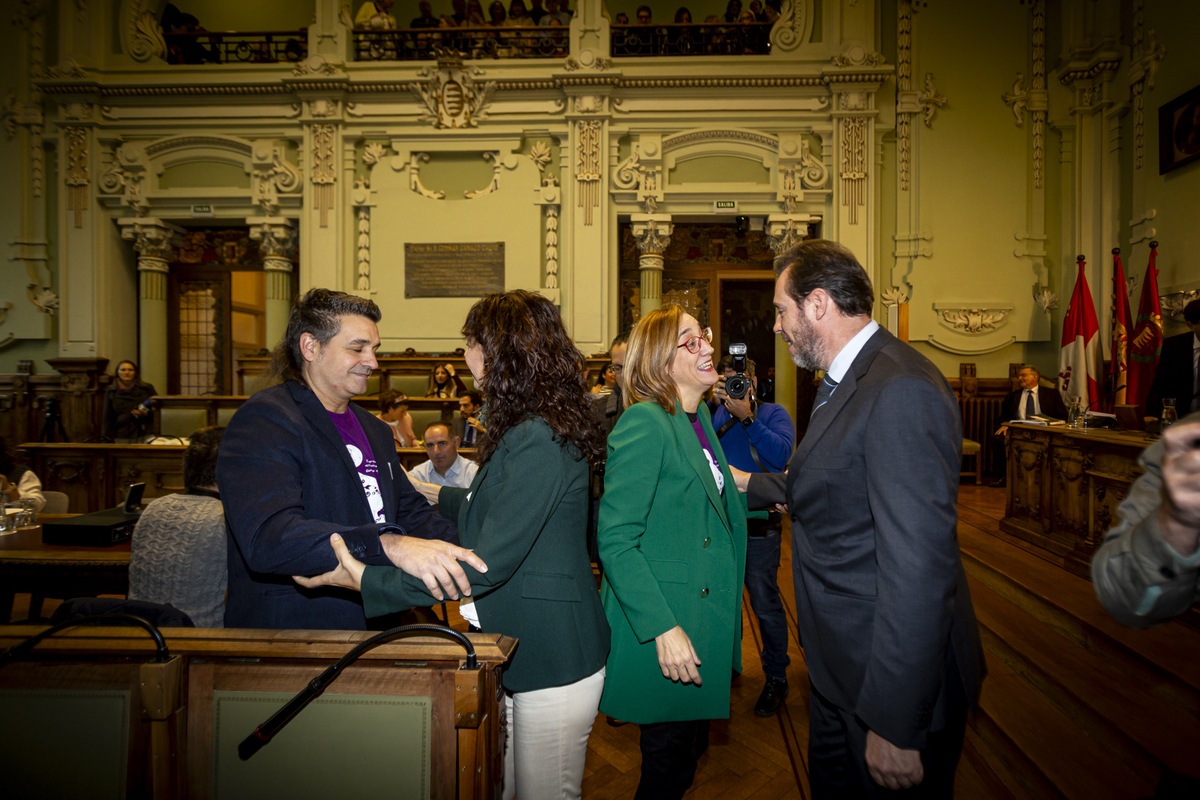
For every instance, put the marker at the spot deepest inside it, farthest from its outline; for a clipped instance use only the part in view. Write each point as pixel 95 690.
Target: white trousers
pixel 545 739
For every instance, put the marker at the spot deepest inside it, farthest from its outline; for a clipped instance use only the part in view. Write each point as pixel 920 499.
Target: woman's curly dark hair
pixel 531 369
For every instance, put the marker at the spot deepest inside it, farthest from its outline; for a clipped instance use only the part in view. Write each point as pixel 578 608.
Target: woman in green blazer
pixel 672 539
pixel 525 515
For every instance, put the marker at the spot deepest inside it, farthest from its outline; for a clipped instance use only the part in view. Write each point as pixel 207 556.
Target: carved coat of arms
pixel 451 97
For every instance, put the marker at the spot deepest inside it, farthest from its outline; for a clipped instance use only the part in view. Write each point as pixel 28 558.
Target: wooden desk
pixel 27 565
pixel 1064 486
pixel 177 728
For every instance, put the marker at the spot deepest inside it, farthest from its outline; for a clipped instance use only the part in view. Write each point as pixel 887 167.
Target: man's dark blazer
pixel 458 427
pixel 882 602
pixel 1174 377
pixel 287 483
pixel 1049 400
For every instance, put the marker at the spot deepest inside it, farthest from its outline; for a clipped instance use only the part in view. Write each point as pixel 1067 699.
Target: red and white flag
pixel 1145 342
pixel 1080 363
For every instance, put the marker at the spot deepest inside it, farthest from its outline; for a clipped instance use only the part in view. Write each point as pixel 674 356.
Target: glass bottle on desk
pixel 1169 414
pixel 1075 414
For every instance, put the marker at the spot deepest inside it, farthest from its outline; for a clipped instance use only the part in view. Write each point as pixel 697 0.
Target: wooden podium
pixel 90 714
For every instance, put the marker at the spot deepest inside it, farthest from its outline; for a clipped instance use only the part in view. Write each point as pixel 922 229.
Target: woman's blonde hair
pixel 652 348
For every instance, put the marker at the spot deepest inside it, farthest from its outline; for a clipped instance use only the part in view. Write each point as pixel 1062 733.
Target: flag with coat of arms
pixel 1080 362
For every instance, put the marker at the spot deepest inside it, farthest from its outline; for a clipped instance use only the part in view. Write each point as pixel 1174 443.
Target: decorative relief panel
pixel 78 179
pixel 587 174
pixel 853 170
pixel 324 173
pixel 1147 52
pixel 450 95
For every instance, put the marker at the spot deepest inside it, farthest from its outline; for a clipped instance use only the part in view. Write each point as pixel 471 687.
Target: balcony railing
pixel 705 39
pixel 419 44
pixel 227 47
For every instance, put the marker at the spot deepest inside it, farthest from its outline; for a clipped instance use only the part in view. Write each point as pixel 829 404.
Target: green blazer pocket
pixel 669 571
pixel 546 586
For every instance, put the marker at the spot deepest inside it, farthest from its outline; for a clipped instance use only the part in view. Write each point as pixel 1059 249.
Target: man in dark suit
pixel 1023 403
pixel 607 409
pixel 1178 373
pixel 468 427
pixel 882 604
pixel 300 461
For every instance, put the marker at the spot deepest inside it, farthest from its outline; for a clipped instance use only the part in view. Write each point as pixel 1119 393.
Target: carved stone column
pixel 785 230
pixel 154 241
pixel 653 234
pixel 277 243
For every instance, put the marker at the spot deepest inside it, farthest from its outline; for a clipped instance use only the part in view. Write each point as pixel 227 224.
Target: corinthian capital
pixel 652 232
pixel 152 237
pixel 276 236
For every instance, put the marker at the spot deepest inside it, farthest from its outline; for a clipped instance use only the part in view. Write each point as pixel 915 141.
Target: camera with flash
pixel 740 384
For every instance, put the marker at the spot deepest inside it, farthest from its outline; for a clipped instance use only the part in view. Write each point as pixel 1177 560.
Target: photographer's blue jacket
pixel 772 434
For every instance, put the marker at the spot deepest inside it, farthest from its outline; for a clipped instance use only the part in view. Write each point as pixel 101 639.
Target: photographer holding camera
pixel 758 437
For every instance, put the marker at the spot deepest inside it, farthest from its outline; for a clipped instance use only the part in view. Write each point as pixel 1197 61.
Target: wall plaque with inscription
pixel 453 270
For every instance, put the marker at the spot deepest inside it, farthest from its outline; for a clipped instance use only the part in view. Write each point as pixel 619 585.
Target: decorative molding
pixel 962 351
pixel 1173 303
pixel 929 100
pixel 1039 98
pixel 414 177
pixel 652 233
pixel 373 153
pixel 78 179
pixel 1045 299
pixel 494 183
pixel 1087 73
pixel 976 320
pixel 153 240
pixel 906 101
pixel 316 65
pixel 642 172
pixel 894 296
pixel 450 95
pixel 1146 54
pixel 1017 99
pixel 190 142
pixel 126 176
pixel 324 175
pixel 69 69
pixel 913 245
pixel 588 104
pixel 539 154
pixel 784 233
pixel 586 60
pixel 143 37
pixel 788 33
pixel 670 143
pixel 551 246
pixel 853 171
pixel 587 176
pixel 273 175
pixel 858 57
pixel 322 107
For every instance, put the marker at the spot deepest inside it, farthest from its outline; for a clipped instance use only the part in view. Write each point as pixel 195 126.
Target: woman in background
pixel 127 406
pixel 525 515
pixel 443 382
pixel 672 538
pixel 393 409
pixel 606 381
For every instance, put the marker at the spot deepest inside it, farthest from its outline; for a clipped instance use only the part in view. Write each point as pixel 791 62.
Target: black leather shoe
pixel 771 699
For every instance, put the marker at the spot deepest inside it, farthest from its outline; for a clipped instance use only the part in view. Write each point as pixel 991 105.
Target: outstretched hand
pixel 891 766
pixel 348 574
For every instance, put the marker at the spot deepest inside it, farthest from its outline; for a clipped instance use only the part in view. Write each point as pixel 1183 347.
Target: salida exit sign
pixel 725 206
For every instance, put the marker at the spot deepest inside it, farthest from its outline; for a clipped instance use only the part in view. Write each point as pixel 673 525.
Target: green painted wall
pixel 203 174
pixel 238 15
pixel 1175 195
pixel 719 169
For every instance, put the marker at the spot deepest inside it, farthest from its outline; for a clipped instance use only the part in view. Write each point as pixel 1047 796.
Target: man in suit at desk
pixel 882 604
pixel 300 461
pixel 1026 402
pixel 1178 373
pixel 469 427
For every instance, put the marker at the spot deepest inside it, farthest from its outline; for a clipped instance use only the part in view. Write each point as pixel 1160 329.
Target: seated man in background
pixel 1178 371
pixel 1030 400
pixel 18 482
pixel 179 545
pixel 469 429
pixel 393 409
pixel 445 466
pixel 1148 568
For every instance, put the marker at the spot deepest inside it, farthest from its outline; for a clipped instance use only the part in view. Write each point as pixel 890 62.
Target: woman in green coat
pixel 525 515
pixel 672 540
